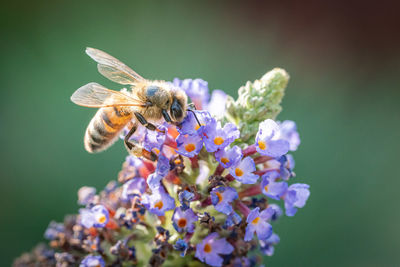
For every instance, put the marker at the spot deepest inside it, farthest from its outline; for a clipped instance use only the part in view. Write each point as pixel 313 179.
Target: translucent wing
pixel 94 95
pixel 112 68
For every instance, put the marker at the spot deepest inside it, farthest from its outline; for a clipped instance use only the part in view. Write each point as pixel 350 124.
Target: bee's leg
pixel 145 123
pixel 136 149
pixel 166 116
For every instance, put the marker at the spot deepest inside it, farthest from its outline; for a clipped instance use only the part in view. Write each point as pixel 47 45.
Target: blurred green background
pixel 343 93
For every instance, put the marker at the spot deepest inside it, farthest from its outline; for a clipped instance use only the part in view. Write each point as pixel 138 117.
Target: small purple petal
pixel 243 171
pixel 133 187
pixel 269 141
pixel 289 133
pixel 221 197
pixel 296 197
pixel 159 201
pixel 229 157
pixel 189 145
pixel 92 261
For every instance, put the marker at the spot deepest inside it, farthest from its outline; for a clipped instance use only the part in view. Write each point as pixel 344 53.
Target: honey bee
pixel 146 101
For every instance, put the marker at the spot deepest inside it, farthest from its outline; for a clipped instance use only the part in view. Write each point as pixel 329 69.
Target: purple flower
pixel 267 245
pixel 97 216
pixel 92 261
pixel 228 157
pixel 218 138
pixel 189 145
pixel 289 133
pixel 158 202
pixel 296 197
pixel 163 165
pixel 274 211
pixel 133 187
pixel 182 246
pixel 153 140
pixel 232 219
pixel 162 169
pixel 257 222
pixel 196 89
pixel 221 197
pixel 130 168
pixel 53 230
pixel 207 250
pixel 153 180
pixel 217 103
pixel 86 195
pixel 243 171
pixel 286 166
pixel 271 188
pixel 244 262
pixel 191 126
pixel 185 197
pixel 269 141
pixel 183 220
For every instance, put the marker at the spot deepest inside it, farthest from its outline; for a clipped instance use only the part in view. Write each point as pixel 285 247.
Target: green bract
pixel 257 101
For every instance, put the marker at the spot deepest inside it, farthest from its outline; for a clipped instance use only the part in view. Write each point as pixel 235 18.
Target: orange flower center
pixel 197 126
pixel 182 222
pixel 102 219
pixel 266 188
pixel 218 140
pixel 255 221
pixel 224 160
pixel 220 197
pixel 177 161
pixel 207 248
pixel 190 147
pixel 238 172
pixel 159 205
pixel 262 145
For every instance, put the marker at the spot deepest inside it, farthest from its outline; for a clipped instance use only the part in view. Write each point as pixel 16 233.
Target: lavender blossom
pixel 267 245
pixel 271 188
pixel 97 216
pixel 221 198
pixel 288 130
pixel 228 157
pixel 218 137
pixel 189 145
pixel 257 223
pixel 209 249
pixel 132 188
pixel 211 165
pixel 158 202
pixel 86 195
pixel 183 220
pixel 296 197
pixel 269 141
pixel 92 261
pixel 243 171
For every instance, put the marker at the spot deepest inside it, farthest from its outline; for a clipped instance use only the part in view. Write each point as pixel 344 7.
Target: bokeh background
pixel 343 59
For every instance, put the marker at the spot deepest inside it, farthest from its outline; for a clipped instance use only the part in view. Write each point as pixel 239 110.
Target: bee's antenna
pixel 194 114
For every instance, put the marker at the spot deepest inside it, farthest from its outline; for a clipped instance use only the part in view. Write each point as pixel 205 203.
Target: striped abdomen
pixel 105 127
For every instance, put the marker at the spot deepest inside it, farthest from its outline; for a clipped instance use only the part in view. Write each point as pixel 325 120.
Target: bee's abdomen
pixel 105 127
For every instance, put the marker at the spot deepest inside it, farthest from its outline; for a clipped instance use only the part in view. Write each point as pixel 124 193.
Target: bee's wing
pixel 94 95
pixel 112 68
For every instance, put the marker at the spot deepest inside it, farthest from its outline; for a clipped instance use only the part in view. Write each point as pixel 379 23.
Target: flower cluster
pixel 211 197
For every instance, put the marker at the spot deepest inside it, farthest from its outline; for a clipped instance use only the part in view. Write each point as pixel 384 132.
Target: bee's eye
pixel 167 103
pixel 176 110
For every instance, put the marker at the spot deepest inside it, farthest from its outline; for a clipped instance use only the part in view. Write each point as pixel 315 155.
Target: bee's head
pixel 178 105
